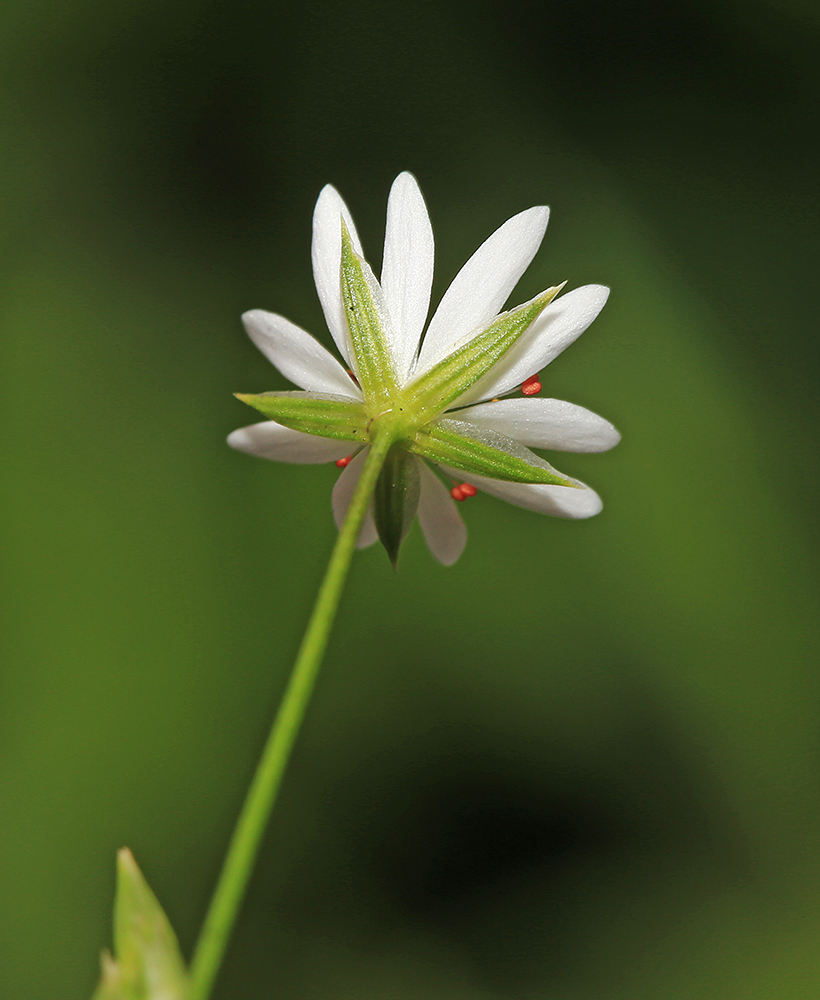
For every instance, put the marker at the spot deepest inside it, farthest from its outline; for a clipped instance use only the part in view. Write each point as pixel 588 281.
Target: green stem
pixel 250 826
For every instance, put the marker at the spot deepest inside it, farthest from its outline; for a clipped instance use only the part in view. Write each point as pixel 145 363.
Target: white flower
pixel 457 420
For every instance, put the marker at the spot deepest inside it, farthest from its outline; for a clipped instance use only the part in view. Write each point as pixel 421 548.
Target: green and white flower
pixel 437 398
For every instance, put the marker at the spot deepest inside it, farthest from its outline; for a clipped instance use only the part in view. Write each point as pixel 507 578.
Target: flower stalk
pixel 261 797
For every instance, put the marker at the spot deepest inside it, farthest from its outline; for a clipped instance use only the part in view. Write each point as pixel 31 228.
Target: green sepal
pixel 147 964
pixel 396 500
pixel 455 374
pixel 483 452
pixel 319 413
pixel 365 314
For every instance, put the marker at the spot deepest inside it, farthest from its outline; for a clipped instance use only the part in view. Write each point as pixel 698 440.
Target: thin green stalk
pixel 250 826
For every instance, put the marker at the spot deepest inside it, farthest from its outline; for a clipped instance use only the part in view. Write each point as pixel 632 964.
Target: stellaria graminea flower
pixel 438 397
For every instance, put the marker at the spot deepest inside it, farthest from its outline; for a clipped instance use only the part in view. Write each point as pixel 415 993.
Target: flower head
pixel 444 398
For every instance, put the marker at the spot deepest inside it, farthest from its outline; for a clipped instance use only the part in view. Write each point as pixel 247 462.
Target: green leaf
pixel 484 452
pixel 147 963
pixel 453 376
pixel 365 319
pixel 321 414
pixel 396 500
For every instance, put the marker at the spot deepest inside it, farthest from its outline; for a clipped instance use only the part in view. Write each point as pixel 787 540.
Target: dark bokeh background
pixel 584 762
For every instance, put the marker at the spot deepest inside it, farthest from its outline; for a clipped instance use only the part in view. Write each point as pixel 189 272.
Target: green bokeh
pixel 584 762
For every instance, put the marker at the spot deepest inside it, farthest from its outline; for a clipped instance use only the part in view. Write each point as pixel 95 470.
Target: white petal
pixel 545 423
pixel 326 252
pixel 342 495
pixel 560 501
pixel 298 355
pixel 483 285
pixel 440 521
pixel 281 444
pixel 407 269
pixel 561 323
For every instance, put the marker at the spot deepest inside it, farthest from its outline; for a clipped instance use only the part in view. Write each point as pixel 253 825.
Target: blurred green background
pixel 583 763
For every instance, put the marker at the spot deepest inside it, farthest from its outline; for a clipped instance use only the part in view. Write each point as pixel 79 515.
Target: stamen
pixel 462 491
pixel 350 373
pixel 342 463
pixel 532 385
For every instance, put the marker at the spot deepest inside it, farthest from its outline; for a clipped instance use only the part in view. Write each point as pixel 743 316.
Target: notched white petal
pixel 407 269
pixel 281 444
pixel 558 326
pixel 482 286
pixel 545 423
pixel 440 521
pixel 326 253
pixel 577 501
pixel 343 491
pixel 298 355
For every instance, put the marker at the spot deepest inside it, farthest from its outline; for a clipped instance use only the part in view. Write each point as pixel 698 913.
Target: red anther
pixel 352 375
pixel 343 462
pixel 468 489
pixel 457 494
pixel 531 386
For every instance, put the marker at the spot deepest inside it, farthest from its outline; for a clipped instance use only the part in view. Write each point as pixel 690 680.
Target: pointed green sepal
pixel 483 452
pixel 455 374
pixel 366 316
pixel 396 500
pixel 318 413
pixel 147 964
